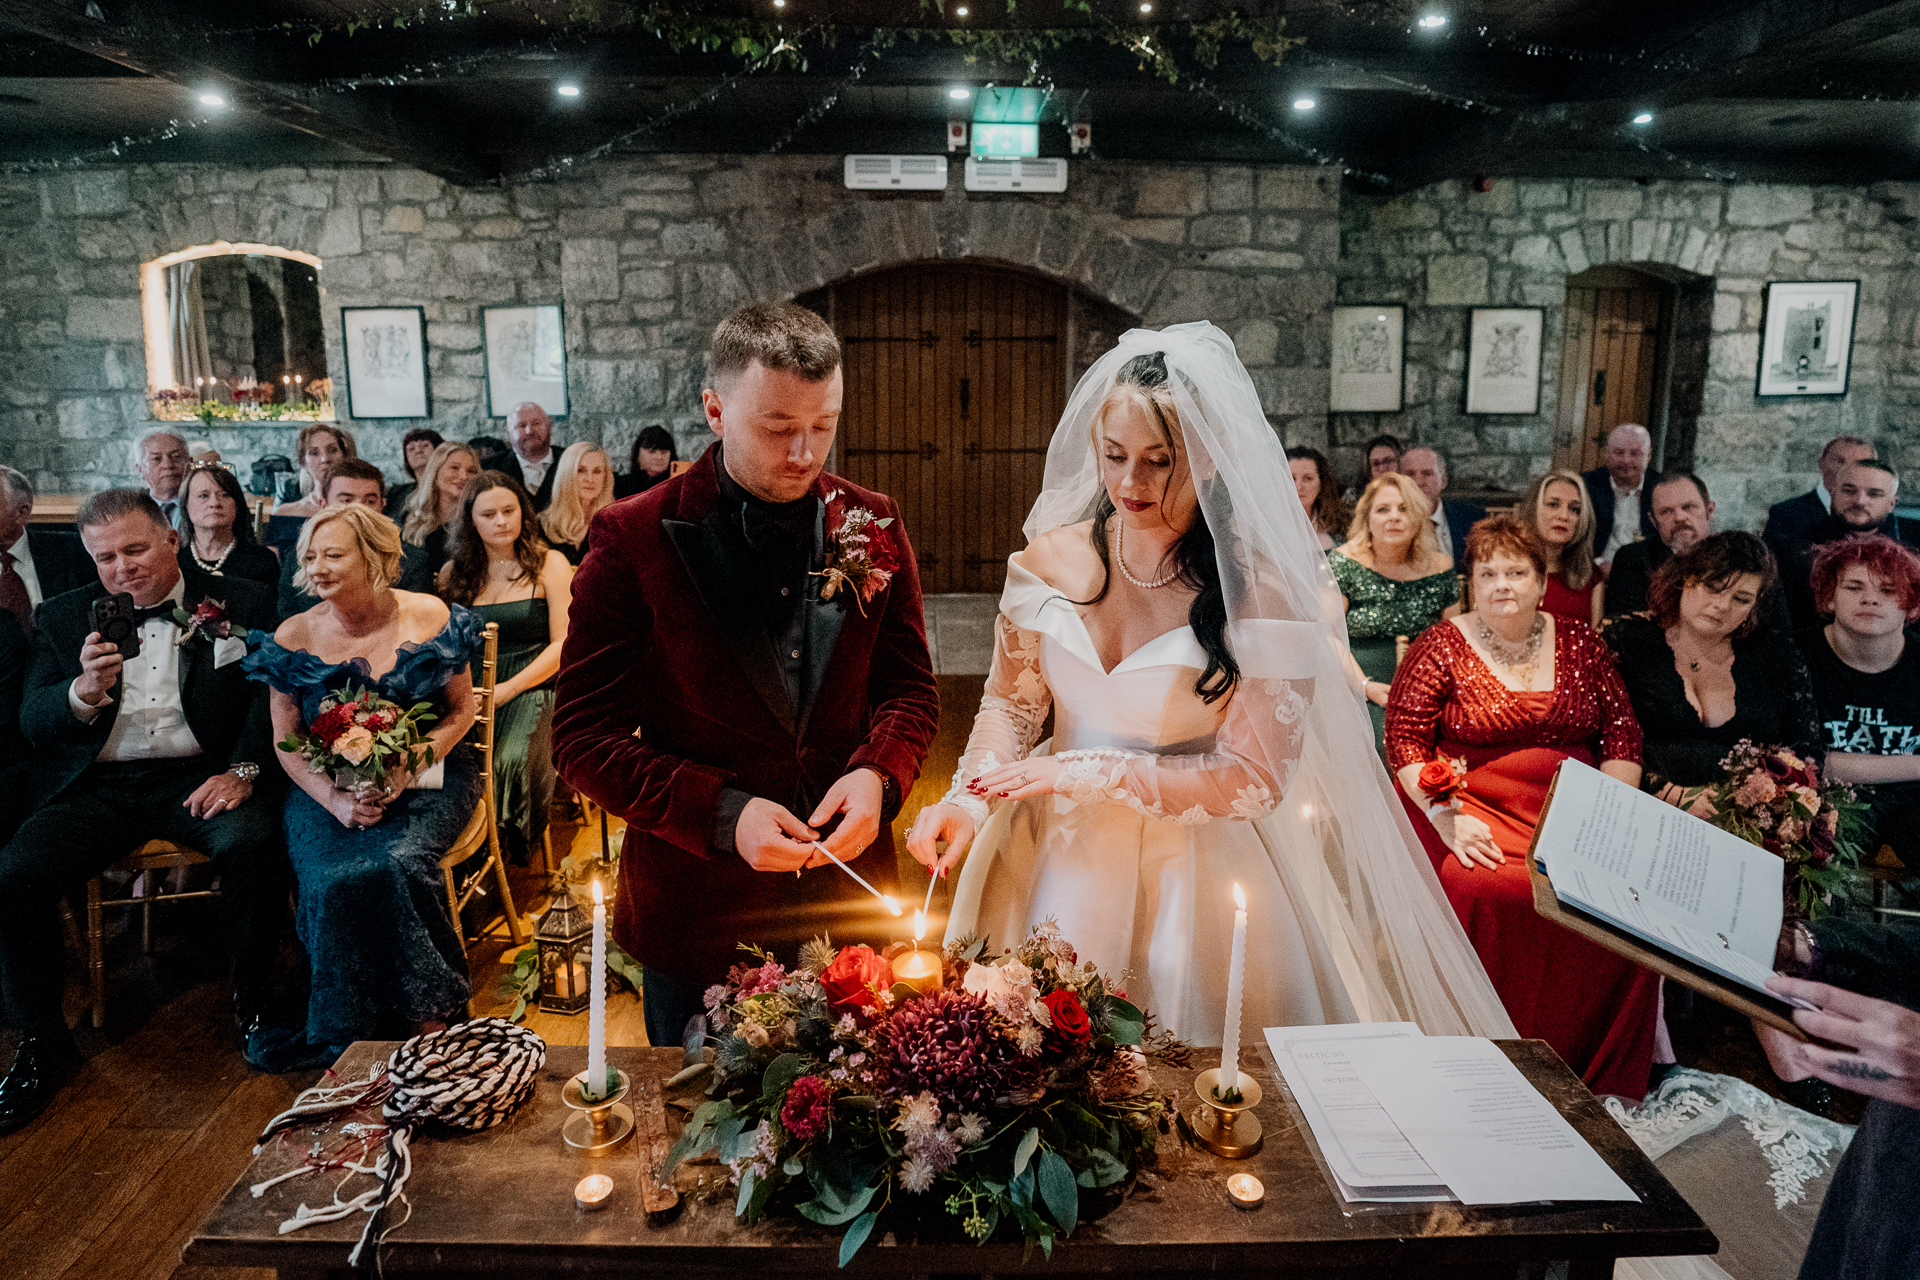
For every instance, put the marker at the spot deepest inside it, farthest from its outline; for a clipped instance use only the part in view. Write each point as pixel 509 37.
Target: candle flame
pixel 598 900
pixel 891 904
pixel 1239 898
pixel 919 927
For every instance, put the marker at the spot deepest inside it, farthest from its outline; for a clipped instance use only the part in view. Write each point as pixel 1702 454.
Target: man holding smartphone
pixel 159 737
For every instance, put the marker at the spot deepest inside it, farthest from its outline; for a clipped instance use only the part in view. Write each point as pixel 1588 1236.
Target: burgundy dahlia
pixel 946 1044
pixel 807 1110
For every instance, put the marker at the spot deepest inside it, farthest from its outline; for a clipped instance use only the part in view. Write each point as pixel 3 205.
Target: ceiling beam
pixel 366 121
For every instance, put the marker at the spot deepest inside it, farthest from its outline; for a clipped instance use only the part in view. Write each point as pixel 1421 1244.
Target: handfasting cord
pixel 470 1076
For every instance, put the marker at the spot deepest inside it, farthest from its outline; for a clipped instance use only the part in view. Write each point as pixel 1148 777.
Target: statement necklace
pixel 214 567
pixel 1516 657
pixel 1120 557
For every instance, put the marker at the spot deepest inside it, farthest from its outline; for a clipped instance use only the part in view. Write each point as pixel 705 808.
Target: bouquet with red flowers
pixel 357 739
pixel 1771 797
pixel 997 1097
pixel 861 555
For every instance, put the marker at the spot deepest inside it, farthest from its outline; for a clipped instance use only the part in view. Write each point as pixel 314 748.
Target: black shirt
pixel 783 538
pixel 1873 713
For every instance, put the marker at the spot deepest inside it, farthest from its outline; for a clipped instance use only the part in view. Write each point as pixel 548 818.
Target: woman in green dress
pixel 1395 580
pixel 501 568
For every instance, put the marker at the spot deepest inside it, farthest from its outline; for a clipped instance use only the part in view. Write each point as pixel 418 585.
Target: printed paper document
pixel 1365 1151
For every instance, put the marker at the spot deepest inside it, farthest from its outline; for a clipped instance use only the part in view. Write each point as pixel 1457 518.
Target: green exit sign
pixel 1006 139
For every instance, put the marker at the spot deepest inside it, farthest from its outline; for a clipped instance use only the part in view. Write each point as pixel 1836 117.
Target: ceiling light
pixel 567 90
pixel 1146 8
pixel 1303 104
pixel 1433 21
pixel 779 4
pixel 959 95
pixel 1645 117
pixel 962 11
pixel 212 100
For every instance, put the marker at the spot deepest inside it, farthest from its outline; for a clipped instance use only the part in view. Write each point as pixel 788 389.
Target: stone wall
pixel 1444 249
pixel 646 254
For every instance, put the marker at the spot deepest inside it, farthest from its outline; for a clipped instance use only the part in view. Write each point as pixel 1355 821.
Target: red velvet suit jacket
pixel 669 690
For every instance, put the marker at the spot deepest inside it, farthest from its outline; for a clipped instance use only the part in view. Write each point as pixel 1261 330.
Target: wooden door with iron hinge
pixel 1609 361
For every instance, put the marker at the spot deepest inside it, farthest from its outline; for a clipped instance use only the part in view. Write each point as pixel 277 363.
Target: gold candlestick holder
pixel 597 1125
pixel 1228 1129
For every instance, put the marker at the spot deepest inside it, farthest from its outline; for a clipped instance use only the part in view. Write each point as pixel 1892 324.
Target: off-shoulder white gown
pixel 1137 857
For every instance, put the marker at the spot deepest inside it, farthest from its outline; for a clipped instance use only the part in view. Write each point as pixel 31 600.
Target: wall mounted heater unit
pixel 1016 175
pixel 896 173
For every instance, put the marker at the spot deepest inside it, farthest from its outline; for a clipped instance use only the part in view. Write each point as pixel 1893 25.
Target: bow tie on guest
pixel 143 615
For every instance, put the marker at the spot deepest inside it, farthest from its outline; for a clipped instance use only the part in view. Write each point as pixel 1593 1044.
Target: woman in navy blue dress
pixel 386 955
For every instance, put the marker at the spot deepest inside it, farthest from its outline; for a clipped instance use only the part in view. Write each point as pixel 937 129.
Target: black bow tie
pixel 788 522
pixel 162 610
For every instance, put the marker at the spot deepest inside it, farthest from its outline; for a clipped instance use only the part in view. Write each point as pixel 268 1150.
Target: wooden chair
pixel 150 861
pixel 260 506
pixel 484 827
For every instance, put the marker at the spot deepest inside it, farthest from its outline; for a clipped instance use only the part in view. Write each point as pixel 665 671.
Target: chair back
pixel 260 519
pixel 483 719
pixel 1400 644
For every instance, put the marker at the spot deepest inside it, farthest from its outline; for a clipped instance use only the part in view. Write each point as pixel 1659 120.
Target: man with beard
pixel 1863 504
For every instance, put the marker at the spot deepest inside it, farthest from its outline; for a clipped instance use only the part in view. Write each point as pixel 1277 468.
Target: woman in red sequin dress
pixel 1513 691
pixel 1560 515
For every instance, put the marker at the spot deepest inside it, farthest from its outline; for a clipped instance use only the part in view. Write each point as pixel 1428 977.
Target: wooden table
pixel 501 1202
pixel 60 508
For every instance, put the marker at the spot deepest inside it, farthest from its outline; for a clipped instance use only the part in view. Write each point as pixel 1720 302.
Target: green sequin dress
pixel 1379 609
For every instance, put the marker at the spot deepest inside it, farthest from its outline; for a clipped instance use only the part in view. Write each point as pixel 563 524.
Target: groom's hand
pixel 859 796
pixel 771 839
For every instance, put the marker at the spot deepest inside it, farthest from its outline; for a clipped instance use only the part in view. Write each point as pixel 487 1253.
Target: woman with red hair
pixel 1482 712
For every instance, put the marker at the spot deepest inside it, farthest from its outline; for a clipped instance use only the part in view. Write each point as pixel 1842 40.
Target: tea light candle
pixel 918 969
pixel 1245 1191
pixel 593 1191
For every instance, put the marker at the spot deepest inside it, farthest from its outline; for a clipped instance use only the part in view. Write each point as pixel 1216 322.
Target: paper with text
pixel 1365 1151
pixel 1479 1124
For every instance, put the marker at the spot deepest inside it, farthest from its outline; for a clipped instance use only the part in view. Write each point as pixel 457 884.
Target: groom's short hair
pixel 780 335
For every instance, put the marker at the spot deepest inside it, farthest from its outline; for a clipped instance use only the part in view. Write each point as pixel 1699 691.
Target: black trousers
pixel 105 814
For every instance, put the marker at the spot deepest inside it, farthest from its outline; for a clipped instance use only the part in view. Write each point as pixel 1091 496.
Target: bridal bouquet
pixel 998 1095
pixel 1771 797
pixel 359 738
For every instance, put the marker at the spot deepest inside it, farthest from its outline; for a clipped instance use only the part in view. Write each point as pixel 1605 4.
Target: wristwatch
pixel 244 771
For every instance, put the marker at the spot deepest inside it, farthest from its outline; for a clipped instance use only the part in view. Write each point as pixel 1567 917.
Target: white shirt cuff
pixel 82 711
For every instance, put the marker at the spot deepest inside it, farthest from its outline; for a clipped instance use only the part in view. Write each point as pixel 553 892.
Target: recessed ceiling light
pixel 567 90
pixel 1303 104
pixel 1433 21
pixel 962 11
pixel 779 4
pixel 212 100
pixel 1146 8
pixel 1645 117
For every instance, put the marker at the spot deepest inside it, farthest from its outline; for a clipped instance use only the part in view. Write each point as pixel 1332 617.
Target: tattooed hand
pixel 1884 1039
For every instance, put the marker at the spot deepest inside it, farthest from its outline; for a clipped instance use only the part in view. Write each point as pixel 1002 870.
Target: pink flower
pixel 354 746
pixel 1756 791
pixel 759 980
pixel 808 1108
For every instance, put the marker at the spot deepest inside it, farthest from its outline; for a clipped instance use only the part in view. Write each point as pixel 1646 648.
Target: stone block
pixel 660 182
pixel 100 192
pixel 1296 188
pixel 1688 256
pixel 411 184
pixel 1538 253
pixel 497 229
pixel 1457 281
pixel 1404 213
pixel 1230 190
pixel 307 195
pixel 672 204
pixel 1217 230
pixel 1158 230
pixel 1573 247
pixel 693 238
pixel 1502 201
pixel 590 270
pixel 454 337
pixel 1768 206
pixel 577 224
pixel 618 385
pixel 650 282
pixel 1819 234
pixel 1254 260
pixel 1750 252
pixel 112 319
pixel 1171 192
pixel 607 341
pixel 1728 311
pixel 708 290
pixel 1613 203
pixel 1543 195
pixel 339 234
pixel 1277 229
pixel 404 219
pixel 1257 341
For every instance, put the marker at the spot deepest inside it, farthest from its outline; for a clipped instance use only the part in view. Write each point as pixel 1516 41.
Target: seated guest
pixel 385 953
pixel 162 464
pixel 531 431
pixel 321 446
pixel 359 483
pixel 1787 521
pixel 36 561
pixel 650 461
pixel 443 487
pixel 16 757
pixel 1393 580
pixel 1864 504
pixel 1620 494
pixel 415 448
pixel 504 571
pixel 1381 456
pixel 1866 680
pixel 162 743
pixel 1513 691
pixel 1703 674
pixel 1319 494
pixel 1561 520
pixel 216 529
pixel 1427 467
pixel 582 484
pixel 1682 515
pixel 495 454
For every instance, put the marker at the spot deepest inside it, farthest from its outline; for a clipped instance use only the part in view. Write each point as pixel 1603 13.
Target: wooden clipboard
pixel 1764 1009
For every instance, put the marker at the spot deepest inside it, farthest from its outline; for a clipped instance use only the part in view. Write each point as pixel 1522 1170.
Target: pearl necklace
pixel 193 548
pixel 1120 558
pixel 1529 649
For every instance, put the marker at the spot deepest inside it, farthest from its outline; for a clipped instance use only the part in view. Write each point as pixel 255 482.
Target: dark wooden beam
pixel 365 120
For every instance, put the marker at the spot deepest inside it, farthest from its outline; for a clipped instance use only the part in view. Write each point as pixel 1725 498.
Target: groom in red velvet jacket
pixel 710 696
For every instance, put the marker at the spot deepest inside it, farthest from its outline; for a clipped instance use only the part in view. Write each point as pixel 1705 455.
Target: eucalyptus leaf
pixel 832 1215
pixel 1058 1190
pixel 794 1166
pixel 1029 1143
pixel 747 1183
pixel 857 1235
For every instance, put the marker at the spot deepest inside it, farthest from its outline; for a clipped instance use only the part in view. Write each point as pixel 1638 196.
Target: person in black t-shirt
pixel 1866 679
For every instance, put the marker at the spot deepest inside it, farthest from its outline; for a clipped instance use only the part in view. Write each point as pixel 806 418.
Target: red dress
pixel 1595 1009
pixel 1563 602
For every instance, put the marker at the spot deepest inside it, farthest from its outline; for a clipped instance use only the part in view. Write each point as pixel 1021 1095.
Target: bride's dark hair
pixel 1143 380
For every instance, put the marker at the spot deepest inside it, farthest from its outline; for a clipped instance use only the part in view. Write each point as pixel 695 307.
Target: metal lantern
pixel 565 940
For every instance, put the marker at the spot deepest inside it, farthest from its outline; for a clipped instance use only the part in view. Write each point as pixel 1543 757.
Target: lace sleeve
pixel 1012 712
pixel 1244 776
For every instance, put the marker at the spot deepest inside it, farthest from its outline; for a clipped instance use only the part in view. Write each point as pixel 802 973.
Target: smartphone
pixel 112 617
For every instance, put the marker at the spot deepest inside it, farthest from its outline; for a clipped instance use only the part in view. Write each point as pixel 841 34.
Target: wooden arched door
pixel 956 374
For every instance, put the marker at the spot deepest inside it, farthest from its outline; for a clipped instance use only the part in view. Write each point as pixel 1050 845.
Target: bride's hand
pixel 1020 780
pixel 935 823
pixel 1471 841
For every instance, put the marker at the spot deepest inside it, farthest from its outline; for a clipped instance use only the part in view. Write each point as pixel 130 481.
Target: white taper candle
pixel 596 1086
pixel 1236 979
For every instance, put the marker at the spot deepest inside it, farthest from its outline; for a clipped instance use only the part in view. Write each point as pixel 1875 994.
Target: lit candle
pixel 592 1191
pixel 1236 979
pixel 916 968
pixel 596 1083
pixel 1245 1191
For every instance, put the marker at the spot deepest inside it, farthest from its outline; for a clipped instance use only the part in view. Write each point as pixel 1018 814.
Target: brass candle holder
pixel 1228 1129
pixel 597 1125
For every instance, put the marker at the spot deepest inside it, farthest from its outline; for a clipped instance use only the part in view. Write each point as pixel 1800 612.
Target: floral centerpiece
pixel 999 1096
pixel 1771 797
pixel 247 400
pixel 357 739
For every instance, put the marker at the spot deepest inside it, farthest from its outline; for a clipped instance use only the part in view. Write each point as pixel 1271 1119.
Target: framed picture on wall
pixel 386 361
pixel 1806 338
pixel 526 349
pixel 1369 358
pixel 1503 359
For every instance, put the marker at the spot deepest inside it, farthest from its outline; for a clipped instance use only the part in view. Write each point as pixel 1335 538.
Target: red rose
pixel 1070 1026
pixel 881 554
pixel 854 980
pixel 1438 780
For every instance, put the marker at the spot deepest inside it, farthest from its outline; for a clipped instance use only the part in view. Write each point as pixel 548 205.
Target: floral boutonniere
pixel 860 557
pixel 208 620
pixel 1443 779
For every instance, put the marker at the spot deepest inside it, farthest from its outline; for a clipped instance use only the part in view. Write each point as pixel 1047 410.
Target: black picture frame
pixel 385 379
pixel 1778 317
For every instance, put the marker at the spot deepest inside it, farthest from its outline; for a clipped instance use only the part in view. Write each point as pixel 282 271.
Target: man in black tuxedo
pixel 1618 488
pixel 1790 520
pixel 166 743
pixel 36 561
pixel 531 431
pixel 16 757
pixel 1863 503
pixel 1427 468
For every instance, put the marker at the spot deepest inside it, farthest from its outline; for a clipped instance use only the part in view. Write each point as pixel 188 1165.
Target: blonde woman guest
pixel 582 484
pixel 1559 514
pixel 504 571
pixel 1394 580
pixel 384 950
pixel 321 447
pixel 443 487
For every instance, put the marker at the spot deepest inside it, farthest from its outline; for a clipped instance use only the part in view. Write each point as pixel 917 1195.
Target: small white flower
pixel 918 1113
pixel 972 1129
pixel 1030 1039
pixel 916 1176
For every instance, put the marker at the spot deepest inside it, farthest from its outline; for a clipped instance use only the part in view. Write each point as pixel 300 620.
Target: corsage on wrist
pixel 1443 780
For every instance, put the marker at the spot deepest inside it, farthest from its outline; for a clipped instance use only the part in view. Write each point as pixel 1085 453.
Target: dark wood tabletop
pixel 502 1202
